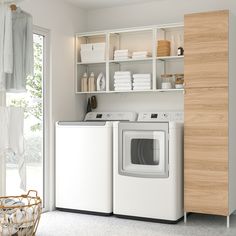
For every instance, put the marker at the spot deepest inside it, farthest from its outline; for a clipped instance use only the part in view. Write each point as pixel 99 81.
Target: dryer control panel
pixel 160 116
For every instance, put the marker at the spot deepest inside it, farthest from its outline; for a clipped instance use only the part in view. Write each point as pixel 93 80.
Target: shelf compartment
pixel 89 40
pixel 82 68
pixel 133 40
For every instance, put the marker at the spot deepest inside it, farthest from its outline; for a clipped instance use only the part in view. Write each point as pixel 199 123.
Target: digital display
pixel 99 116
pixel 154 116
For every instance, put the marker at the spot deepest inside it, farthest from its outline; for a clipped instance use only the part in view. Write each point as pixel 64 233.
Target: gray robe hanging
pixel 23 59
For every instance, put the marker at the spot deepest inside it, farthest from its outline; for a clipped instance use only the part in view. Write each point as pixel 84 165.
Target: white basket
pixel 93 52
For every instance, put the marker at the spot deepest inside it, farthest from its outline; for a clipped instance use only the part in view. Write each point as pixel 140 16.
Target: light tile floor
pixel 72 224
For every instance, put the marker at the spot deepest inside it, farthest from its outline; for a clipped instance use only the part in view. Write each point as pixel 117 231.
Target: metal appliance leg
pixel 185 217
pixel 228 221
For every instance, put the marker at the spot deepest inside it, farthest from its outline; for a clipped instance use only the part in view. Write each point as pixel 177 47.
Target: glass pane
pixel 32 102
pixel 145 151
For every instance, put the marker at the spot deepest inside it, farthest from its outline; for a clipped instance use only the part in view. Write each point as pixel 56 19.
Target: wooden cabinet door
pixel 206 151
pixel 206 49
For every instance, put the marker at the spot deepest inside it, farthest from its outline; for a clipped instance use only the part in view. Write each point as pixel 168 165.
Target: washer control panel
pixel 111 116
pixel 160 116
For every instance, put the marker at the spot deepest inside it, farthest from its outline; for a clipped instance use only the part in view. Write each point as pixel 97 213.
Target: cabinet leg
pixel 228 221
pixel 185 217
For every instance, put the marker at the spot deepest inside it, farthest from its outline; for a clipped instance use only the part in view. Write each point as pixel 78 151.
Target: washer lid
pixel 111 116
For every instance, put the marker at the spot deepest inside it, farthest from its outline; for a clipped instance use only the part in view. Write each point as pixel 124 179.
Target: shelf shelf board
pixel 91 63
pixel 170 90
pixel 131 60
pixel 133 91
pixel 170 58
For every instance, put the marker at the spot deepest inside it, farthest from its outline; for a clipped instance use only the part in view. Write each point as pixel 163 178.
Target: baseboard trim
pixel 84 212
pixel 149 219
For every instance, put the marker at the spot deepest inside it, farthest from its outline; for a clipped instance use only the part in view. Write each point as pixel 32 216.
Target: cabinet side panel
pixel 206 151
pixel 232 113
pixel 206 49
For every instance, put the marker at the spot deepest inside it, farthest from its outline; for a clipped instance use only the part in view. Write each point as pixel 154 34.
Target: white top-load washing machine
pixel 148 167
pixel 84 162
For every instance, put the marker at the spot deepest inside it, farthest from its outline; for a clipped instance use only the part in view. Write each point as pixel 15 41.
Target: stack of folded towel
pixel 140 55
pixel 122 81
pixel 121 54
pixel 142 82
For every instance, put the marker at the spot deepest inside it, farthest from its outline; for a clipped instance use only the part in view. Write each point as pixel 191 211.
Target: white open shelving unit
pixel 134 39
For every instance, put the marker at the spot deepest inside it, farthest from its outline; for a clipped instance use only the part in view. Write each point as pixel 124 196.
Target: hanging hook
pixel 13 7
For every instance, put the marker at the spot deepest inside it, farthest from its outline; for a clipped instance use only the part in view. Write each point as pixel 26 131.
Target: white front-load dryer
pixel 147 167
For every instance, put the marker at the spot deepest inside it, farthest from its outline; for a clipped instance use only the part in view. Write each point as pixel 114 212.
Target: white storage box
pixel 93 52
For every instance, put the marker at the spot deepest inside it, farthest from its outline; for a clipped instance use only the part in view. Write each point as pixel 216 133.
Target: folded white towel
pixel 139 57
pixel 123 86
pixel 141 53
pixel 123 89
pixel 141 84
pixel 122 54
pixel 142 79
pixel 141 88
pixel 124 78
pixel 141 76
pixel 121 58
pixel 122 51
pixel 121 73
pixel 117 84
pixel 118 77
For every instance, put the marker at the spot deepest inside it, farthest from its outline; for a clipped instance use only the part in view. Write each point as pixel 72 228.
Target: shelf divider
pixel 154 62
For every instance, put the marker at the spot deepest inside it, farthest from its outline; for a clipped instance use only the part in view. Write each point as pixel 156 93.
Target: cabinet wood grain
pixel 206 40
pixel 206 151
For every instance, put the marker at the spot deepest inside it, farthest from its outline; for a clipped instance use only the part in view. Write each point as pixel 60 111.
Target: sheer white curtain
pixel 11 141
pixel 2 158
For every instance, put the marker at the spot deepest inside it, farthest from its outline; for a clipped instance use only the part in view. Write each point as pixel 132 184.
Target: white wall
pixel 156 12
pixel 63 21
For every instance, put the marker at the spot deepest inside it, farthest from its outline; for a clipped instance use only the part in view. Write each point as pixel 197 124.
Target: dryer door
pixel 143 150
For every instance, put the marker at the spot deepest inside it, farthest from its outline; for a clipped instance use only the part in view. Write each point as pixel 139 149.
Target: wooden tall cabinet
pixel 210 113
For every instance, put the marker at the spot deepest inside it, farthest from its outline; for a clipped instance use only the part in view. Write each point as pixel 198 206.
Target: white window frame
pixel 48 124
